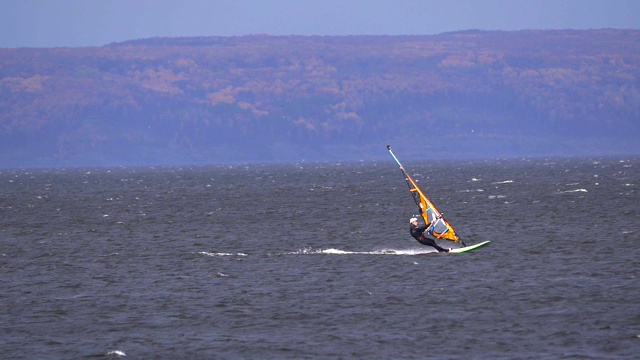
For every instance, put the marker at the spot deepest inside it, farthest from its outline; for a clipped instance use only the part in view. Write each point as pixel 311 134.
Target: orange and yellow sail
pixel 438 226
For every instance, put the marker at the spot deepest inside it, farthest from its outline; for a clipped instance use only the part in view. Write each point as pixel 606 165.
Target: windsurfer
pixel 417 233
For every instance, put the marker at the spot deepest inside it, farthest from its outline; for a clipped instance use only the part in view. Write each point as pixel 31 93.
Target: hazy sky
pixel 53 23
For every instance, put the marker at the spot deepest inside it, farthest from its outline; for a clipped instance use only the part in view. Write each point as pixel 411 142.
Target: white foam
pixel 333 251
pixel 496 196
pixel 374 252
pixel 572 191
pixel 220 254
pixel 116 352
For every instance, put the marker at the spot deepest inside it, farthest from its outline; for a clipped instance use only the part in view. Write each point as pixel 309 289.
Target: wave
pixel 116 353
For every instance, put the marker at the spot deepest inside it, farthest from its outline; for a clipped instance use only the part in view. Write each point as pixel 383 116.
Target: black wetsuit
pixel 416 232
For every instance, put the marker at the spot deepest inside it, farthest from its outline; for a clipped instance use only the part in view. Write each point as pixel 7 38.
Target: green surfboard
pixel 469 248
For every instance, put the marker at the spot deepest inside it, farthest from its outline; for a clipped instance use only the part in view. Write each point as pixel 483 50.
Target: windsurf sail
pixel 439 227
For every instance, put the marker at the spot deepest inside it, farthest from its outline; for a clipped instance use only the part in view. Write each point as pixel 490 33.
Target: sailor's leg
pixel 431 242
pixel 440 249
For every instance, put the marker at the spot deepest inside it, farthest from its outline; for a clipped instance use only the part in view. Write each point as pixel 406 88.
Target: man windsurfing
pixel 418 233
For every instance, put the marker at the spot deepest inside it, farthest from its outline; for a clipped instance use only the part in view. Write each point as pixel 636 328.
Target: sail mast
pixel 414 191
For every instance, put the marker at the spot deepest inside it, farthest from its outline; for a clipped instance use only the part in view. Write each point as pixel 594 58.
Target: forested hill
pixel 305 98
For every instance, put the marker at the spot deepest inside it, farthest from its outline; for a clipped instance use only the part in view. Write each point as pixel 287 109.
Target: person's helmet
pixel 412 220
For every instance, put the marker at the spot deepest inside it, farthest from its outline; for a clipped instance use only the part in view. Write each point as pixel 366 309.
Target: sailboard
pixel 438 226
pixel 468 248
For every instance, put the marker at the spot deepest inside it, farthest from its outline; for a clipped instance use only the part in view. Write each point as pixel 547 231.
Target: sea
pixel 315 261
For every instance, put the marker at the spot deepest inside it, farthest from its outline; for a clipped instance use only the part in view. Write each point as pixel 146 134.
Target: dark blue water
pixel 315 261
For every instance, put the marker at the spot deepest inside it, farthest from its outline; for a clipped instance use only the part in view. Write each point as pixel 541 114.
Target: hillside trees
pixel 194 96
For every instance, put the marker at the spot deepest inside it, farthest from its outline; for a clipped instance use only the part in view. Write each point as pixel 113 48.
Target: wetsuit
pixel 416 232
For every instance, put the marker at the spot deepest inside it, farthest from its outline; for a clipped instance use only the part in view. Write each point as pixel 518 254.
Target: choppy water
pixel 315 261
